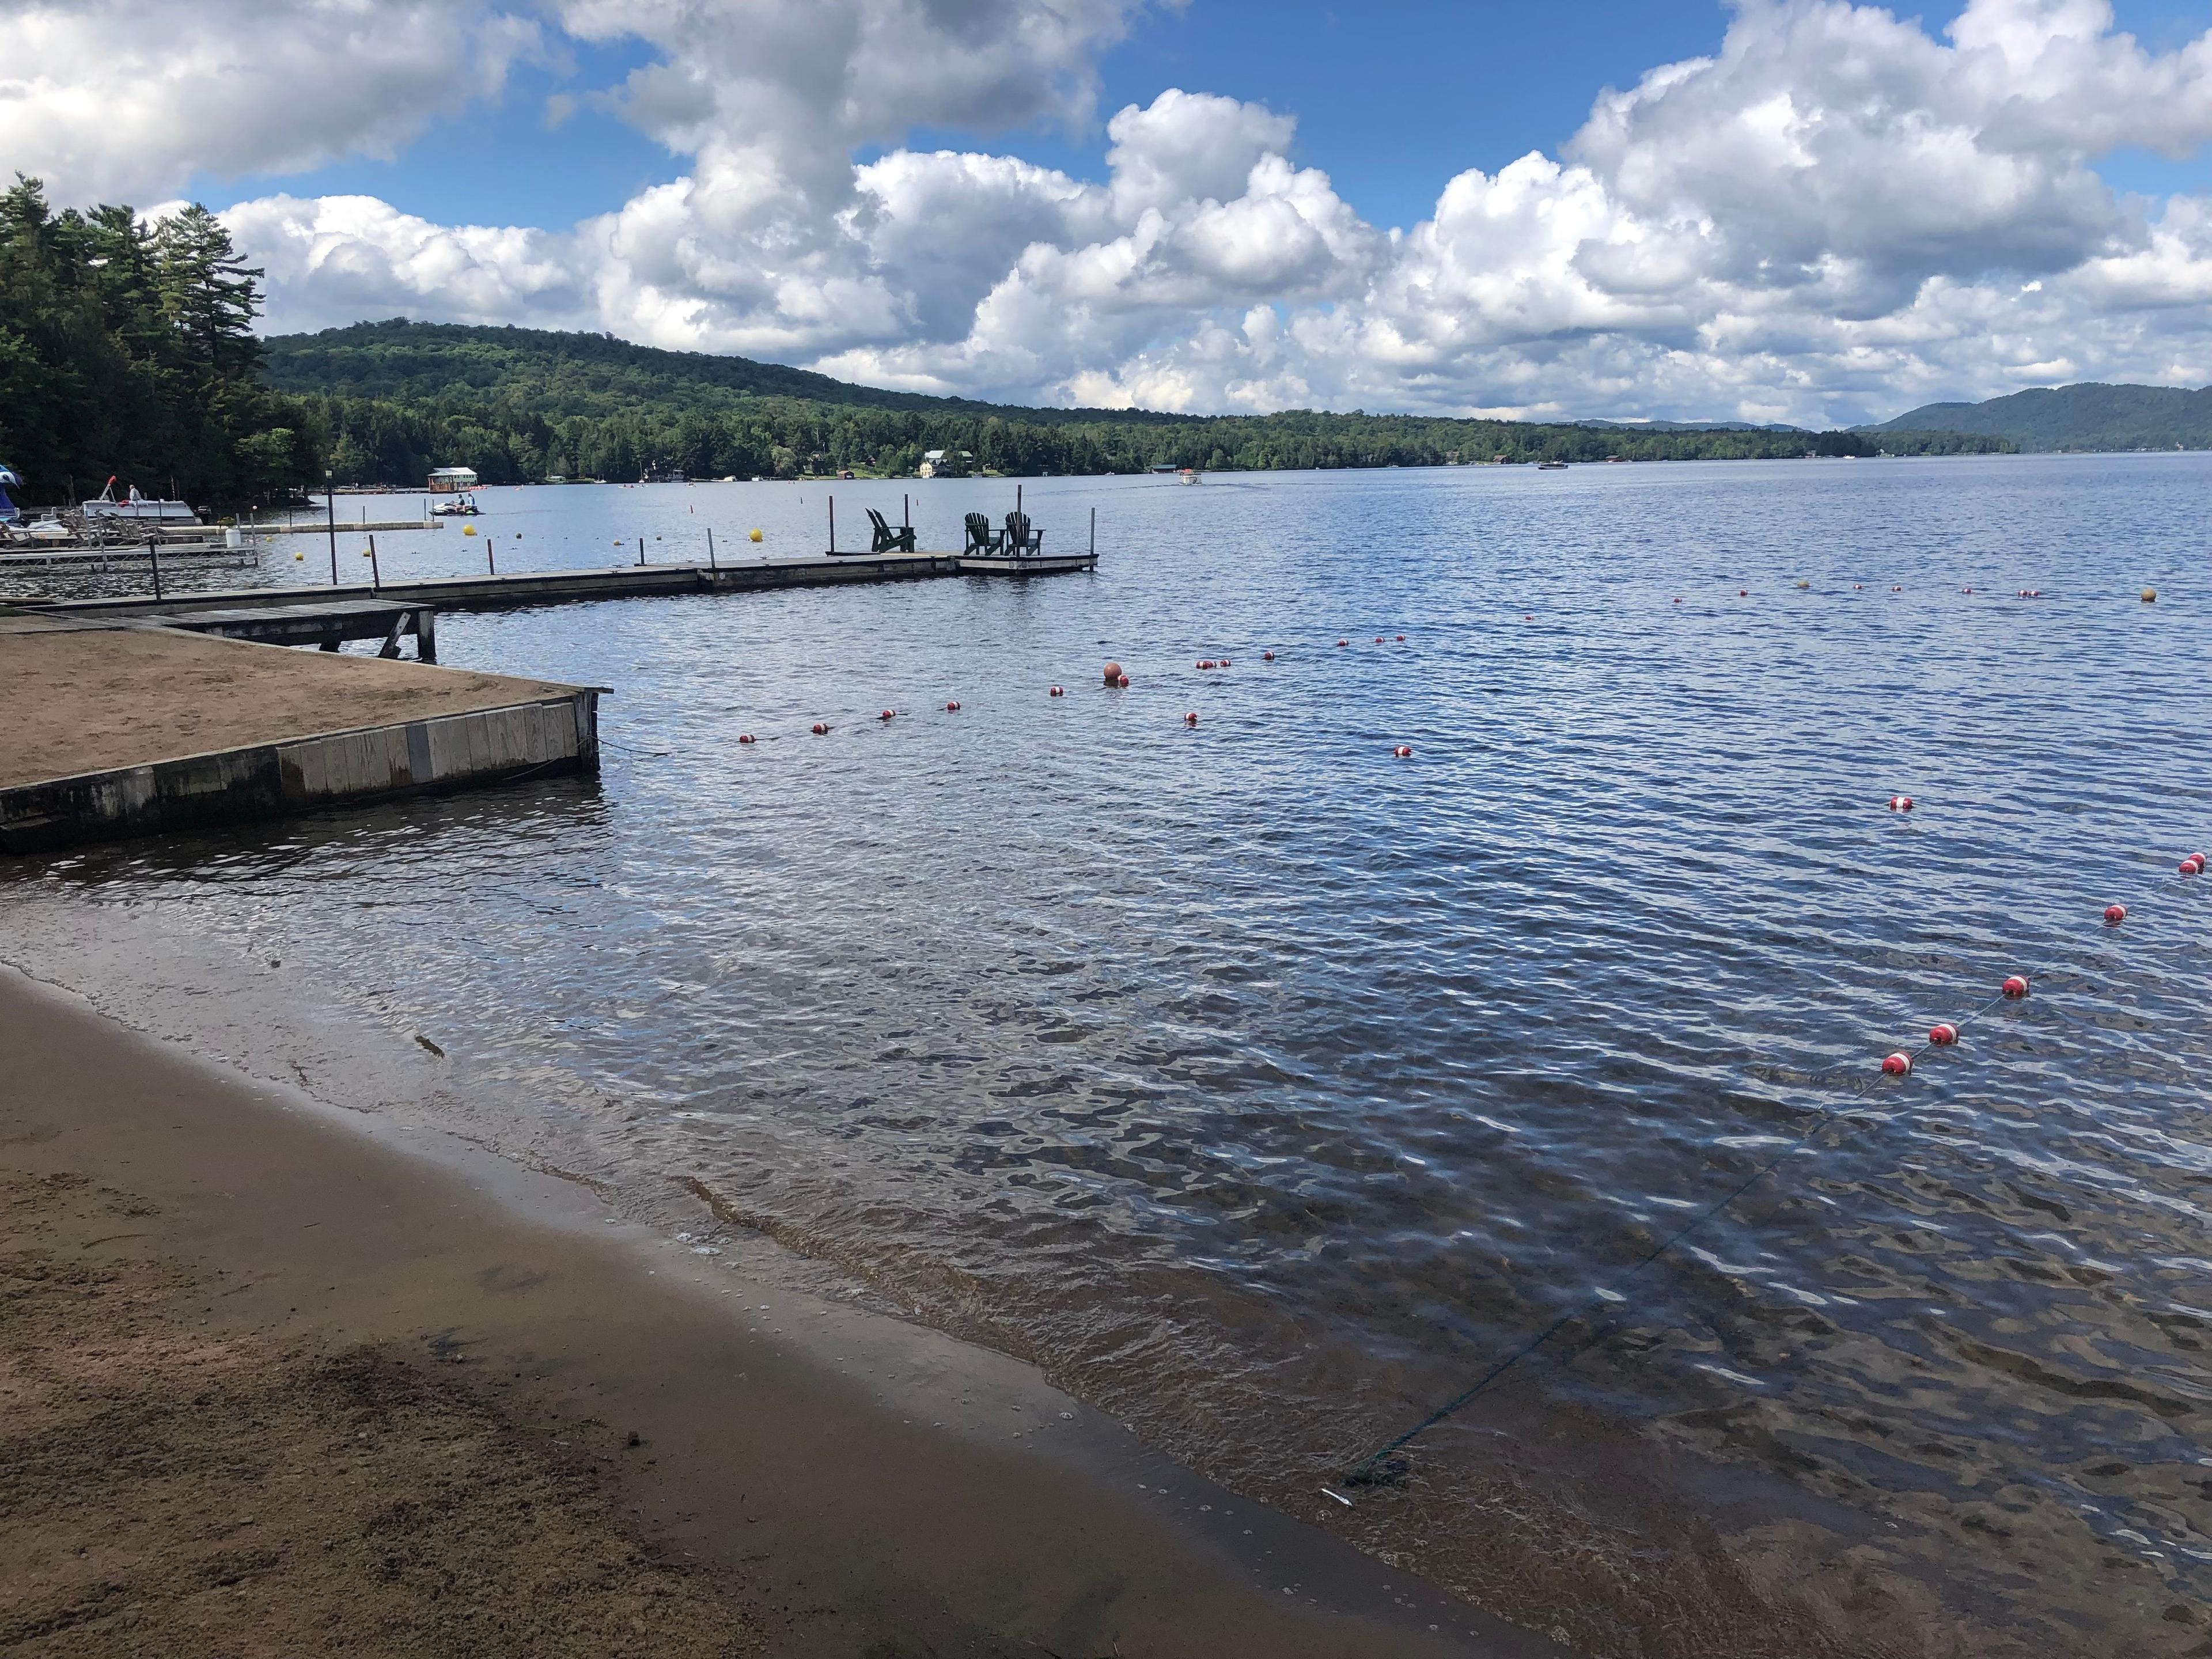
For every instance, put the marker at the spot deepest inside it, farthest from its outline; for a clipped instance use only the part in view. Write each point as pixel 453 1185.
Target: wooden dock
pixel 125 728
pixel 512 591
pixel 324 622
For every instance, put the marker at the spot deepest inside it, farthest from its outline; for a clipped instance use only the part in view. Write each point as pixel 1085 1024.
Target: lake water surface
pixel 1269 1089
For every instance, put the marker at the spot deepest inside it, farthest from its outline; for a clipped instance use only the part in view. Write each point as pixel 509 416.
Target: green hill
pixel 396 398
pixel 2090 415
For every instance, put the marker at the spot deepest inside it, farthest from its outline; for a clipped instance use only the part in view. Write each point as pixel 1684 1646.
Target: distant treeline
pixel 129 349
pixel 521 405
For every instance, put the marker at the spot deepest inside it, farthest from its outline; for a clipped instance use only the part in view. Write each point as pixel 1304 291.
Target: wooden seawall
pixel 121 730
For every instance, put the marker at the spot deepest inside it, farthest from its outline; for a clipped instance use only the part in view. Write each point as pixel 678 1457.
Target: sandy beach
pixel 274 1387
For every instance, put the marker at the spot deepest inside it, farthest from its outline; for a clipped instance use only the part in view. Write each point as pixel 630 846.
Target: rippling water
pixel 1269 1088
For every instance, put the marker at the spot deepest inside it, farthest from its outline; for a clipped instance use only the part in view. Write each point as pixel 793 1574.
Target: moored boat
pixel 134 508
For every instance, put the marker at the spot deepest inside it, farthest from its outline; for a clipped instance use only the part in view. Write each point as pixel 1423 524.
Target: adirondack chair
pixel 1020 540
pixel 887 538
pixel 981 538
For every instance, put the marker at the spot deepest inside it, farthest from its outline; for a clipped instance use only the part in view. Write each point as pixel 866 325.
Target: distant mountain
pixel 2091 416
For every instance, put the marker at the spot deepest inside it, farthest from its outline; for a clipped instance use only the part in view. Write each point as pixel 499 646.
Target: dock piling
pixel 833 524
pixel 640 551
pixel 1094 533
pixel 710 548
pixel 331 511
pixel 375 575
pixel 154 553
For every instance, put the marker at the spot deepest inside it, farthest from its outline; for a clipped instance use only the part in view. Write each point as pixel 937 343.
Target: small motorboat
pixel 1190 474
pixel 133 508
pixel 1550 466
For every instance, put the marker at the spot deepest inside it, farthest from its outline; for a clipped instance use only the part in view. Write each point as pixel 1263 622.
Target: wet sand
pixel 276 1385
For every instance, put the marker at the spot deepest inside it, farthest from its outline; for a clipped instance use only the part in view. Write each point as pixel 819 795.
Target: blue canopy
pixel 7 476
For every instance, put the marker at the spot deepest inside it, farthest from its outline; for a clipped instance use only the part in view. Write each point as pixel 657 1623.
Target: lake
pixel 1269 1089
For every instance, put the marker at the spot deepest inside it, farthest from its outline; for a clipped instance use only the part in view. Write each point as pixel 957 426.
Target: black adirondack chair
pixel 981 538
pixel 1020 540
pixel 887 538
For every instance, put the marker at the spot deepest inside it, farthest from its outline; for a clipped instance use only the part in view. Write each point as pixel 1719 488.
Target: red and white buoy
pixel 887 714
pixel 1059 690
pixel 1897 1065
pixel 2193 866
pixel 1344 642
pixel 1403 751
pixel 1190 719
pixel 1943 1034
pixel 820 730
pixel 1900 803
pixel 1266 656
pixel 950 708
pixel 2115 914
pixel 745 736
pixel 2014 987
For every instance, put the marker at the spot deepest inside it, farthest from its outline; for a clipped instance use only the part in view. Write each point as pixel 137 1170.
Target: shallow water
pixel 1268 1088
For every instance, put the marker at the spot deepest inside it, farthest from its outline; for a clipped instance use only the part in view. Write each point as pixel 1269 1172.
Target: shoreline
pixel 1025 1523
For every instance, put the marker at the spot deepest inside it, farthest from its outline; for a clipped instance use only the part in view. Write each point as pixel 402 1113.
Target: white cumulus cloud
pixel 1837 214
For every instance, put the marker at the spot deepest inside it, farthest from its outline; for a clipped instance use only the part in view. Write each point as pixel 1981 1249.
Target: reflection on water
pixel 1268 1088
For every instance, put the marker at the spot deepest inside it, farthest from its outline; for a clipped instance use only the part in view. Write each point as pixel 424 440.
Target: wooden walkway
pixel 507 592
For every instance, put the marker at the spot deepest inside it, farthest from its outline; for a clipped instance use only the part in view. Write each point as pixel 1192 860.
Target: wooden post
pixel 330 506
pixel 426 635
pixel 641 552
pixel 710 547
pixel 1094 533
pixel 906 512
pixel 154 553
pixel 833 524
pixel 376 576
pixel 491 559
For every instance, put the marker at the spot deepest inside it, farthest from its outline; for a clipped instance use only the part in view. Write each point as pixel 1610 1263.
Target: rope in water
pixel 1376 1469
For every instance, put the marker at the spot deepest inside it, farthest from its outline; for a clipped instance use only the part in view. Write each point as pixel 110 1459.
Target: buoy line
pixel 1379 1468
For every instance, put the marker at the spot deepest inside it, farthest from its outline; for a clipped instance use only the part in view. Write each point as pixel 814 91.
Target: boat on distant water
pixel 1190 474
pixel 133 508
pixel 1550 466
pixel 458 483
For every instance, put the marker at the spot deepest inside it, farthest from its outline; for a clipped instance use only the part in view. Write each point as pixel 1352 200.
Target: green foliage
pixel 129 349
pixel 2089 416
pixel 520 404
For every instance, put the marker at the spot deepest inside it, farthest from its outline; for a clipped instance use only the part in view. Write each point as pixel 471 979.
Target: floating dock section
pixel 121 728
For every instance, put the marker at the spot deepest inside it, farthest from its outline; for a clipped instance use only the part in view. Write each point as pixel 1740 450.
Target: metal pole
pixel 641 552
pixel 833 524
pixel 331 504
pixel 154 553
pixel 375 575
pixel 906 512
pixel 710 547
pixel 1094 533
pixel 491 560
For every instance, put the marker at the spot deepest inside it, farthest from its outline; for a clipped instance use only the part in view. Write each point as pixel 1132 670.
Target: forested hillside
pixel 518 404
pixel 2090 415
pixel 130 349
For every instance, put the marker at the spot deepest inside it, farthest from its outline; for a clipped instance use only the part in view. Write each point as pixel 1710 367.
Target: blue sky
pixel 1391 99
pixel 1304 204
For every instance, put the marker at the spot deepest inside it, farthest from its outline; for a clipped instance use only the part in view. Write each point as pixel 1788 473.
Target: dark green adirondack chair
pixel 981 538
pixel 1020 540
pixel 888 537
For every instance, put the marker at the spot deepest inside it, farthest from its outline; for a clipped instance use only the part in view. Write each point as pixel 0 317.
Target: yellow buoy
pixel 1804 584
pixel 2150 596
pixel 468 530
pixel 298 555
pixel 756 535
